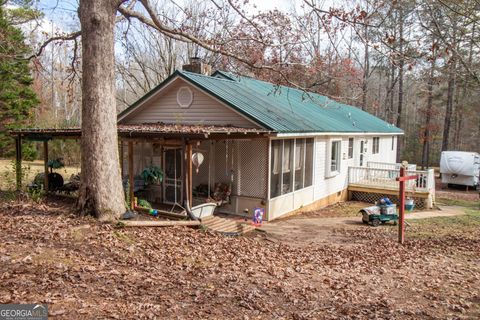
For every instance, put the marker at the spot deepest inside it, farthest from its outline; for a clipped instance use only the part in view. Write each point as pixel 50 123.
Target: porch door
pixel 172 182
pixel 361 155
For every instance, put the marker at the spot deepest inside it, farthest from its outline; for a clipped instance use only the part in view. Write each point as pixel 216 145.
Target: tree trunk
pixel 391 92
pixel 366 69
pixel 450 91
pixel 101 191
pixel 448 112
pixel 428 115
pixel 401 65
pixel 460 108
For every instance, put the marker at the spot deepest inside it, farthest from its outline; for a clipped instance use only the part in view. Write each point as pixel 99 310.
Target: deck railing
pixel 386 178
pixel 388 165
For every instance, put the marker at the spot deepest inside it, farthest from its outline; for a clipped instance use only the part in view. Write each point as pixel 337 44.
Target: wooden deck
pixel 386 179
pixel 386 190
pixel 370 183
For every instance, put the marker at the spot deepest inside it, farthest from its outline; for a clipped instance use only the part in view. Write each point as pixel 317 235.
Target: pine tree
pixel 17 97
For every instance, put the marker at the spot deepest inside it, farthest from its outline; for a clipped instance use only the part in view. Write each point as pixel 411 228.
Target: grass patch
pixel 445 226
pixel 80 233
pixel 51 257
pixel 459 202
pixel 7 176
pixel 123 237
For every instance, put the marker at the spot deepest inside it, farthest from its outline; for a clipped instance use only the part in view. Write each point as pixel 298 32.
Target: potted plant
pixel 152 175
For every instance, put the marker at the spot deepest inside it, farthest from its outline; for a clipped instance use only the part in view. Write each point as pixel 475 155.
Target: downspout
pixel 186 193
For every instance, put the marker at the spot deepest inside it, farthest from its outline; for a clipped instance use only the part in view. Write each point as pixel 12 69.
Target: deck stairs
pixel 226 225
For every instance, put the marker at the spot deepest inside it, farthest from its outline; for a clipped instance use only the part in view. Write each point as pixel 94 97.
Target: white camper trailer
pixel 462 168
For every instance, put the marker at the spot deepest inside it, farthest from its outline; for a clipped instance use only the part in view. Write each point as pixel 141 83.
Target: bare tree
pixel 101 191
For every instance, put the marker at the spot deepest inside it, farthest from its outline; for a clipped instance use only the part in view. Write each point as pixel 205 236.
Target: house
pixel 292 149
pixel 262 146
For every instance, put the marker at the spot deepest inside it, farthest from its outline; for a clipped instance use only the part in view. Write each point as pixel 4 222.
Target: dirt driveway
pixel 316 229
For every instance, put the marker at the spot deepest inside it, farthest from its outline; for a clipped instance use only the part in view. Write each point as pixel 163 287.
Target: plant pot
pixel 409 204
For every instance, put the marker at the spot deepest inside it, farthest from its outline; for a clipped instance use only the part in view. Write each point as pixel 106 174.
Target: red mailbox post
pixel 401 180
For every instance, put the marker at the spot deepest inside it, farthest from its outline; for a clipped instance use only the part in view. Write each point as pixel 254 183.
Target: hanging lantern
pixel 197 160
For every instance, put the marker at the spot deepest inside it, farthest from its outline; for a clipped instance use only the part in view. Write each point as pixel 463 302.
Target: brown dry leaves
pixel 84 269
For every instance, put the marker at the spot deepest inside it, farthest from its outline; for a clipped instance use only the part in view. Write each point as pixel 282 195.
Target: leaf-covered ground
pixel 87 270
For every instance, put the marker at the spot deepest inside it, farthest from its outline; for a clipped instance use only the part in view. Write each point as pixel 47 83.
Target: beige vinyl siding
pixel 204 110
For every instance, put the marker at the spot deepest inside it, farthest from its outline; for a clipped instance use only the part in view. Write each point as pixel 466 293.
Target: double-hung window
pixel 334 158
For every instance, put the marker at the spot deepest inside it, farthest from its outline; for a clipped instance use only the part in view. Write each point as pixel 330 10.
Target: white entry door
pixel 172 182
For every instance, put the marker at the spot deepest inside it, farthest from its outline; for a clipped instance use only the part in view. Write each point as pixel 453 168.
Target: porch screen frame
pixel 280 168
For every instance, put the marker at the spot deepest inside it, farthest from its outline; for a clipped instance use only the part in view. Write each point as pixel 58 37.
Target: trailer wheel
pixel 395 222
pixel 375 222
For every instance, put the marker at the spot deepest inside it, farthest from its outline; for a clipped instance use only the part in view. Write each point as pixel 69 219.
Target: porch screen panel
pixel 308 162
pixel 299 163
pixel 225 164
pixel 252 168
pixel 276 167
pixel 137 158
pixel 288 149
pixel 201 177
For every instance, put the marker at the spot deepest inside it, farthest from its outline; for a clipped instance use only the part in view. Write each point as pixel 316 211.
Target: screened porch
pixel 232 173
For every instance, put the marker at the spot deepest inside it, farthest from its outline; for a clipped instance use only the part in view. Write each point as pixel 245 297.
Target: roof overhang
pixel 150 131
pixel 316 134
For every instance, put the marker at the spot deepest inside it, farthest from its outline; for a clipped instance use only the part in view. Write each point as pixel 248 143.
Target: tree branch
pixel 67 37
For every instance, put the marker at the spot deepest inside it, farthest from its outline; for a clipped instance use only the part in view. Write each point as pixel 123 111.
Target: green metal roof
pixel 280 108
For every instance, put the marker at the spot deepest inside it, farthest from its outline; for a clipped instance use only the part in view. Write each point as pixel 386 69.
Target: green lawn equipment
pixel 375 215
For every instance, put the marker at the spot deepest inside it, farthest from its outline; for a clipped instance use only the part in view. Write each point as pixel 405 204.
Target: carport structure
pixel 183 138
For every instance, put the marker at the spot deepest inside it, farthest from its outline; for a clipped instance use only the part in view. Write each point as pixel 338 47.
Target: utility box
pixel 461 168
pixel 388 209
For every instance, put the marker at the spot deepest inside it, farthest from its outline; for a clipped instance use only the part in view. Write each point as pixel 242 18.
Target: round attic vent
pixel 184 97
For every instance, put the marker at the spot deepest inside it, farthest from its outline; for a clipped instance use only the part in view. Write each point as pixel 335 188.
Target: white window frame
pixel 377 151
pixel 350 148
pixel 329 172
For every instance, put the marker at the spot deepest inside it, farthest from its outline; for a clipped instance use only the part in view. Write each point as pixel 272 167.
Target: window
pixel 376 145
pixel 291 166
pixel 335 150
pixel 393 142
pixel 350 148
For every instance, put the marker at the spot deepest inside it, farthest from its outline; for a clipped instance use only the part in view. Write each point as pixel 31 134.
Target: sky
pixel 62 14
pixel 260 5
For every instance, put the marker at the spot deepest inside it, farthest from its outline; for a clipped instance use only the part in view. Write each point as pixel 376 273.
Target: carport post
pixel 18 161
pixel 131 180
pixel 45 165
